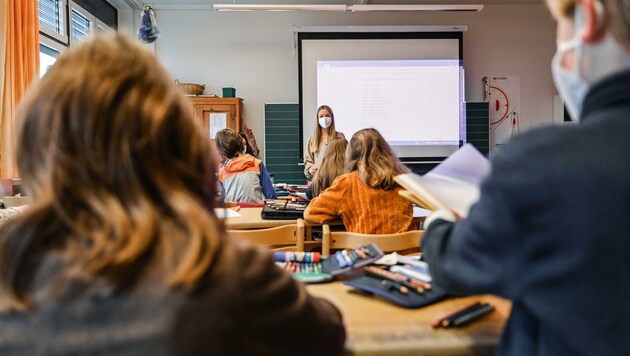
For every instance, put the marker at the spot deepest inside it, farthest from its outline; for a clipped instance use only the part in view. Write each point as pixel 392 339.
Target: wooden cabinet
pixel 217 113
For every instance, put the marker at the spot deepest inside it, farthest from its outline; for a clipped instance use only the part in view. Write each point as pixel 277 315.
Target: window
pixel 85 23
pixel 96 16
pixel 52 19
pixel 49 50
pixel 81 24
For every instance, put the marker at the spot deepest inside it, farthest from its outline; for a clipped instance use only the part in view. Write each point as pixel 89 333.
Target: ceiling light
pixel 342 8
pixel 277 7
pixel 416 7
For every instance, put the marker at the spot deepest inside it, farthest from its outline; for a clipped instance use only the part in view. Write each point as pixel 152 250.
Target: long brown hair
pixel 318 129
pixel 369 154
pixel 331 167
pixel 118 171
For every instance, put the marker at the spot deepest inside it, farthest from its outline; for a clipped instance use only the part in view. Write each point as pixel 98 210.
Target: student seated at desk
pixel 243 177
pixel 366 197
pixel 332 167
pixel 121 252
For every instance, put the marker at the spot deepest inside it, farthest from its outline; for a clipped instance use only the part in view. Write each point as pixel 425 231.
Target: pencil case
pixel 375 286
pixel 311 267
pixel 346 261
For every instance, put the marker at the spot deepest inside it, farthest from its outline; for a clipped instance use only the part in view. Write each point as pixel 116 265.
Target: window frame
pixel 60 42
pixel 72 6
pixel 62 37
pixel 52 44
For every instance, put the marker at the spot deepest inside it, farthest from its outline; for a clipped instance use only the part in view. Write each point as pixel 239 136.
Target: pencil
pixel 471 316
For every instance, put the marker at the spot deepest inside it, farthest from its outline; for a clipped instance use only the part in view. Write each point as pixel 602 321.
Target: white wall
pixel 253 52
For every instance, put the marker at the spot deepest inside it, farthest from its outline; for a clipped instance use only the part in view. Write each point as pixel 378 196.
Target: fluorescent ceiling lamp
pixel 277 7
pixel 416 7
pixel 342 8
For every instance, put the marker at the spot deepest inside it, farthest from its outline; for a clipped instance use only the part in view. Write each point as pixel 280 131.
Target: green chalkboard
pixel 282 143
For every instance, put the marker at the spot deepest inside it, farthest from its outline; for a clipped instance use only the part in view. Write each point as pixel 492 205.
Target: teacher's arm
pixel 309 159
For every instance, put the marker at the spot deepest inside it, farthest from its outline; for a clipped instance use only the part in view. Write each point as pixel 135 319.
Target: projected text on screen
pixel 416 95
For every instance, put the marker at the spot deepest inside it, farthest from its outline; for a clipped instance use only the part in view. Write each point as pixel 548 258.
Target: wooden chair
pixel 405 241
pixel 11 201
pixel 280 238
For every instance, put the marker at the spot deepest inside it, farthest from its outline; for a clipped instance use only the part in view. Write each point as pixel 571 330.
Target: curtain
pixel 4 6
pixel 19 51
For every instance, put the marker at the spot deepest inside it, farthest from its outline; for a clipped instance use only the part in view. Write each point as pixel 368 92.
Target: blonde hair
pixel 619 24
pixel 562 7
pixel 318 129
pixel 370 156
pixel 618 21
pixel 332 166
pixel 118 171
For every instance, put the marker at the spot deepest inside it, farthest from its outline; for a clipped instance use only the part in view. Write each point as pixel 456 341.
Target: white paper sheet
pixel 226 213
pixel 218 121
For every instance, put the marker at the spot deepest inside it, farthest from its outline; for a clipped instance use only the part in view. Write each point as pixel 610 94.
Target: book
pixel 452 185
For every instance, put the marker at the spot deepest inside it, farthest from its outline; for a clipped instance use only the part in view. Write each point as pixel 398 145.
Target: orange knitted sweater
pixel 363 209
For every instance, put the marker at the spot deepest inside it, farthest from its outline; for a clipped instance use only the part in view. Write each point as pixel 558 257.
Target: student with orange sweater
pixel 366 196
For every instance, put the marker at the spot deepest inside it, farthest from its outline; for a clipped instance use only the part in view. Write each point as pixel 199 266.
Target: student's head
pixel 332 166
pixel 370 156
pixel 229 143
pixel 324 122
pixel 111 157
pixel 593 39
pixel 246 148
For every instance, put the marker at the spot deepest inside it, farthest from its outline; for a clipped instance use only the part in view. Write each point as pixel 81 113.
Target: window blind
pixel 50 15
pixel 80 26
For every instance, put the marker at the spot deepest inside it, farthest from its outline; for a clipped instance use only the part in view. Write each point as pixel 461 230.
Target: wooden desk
pixel 377 327
pixel 250 219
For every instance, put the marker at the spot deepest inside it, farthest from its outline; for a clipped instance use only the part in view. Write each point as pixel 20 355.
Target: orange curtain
pixel 20 67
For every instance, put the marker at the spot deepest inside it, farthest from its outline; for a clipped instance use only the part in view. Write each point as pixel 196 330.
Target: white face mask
pixel 571 83
pixel 325 122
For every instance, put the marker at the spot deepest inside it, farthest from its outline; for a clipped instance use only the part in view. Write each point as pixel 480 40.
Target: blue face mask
pixel 571 83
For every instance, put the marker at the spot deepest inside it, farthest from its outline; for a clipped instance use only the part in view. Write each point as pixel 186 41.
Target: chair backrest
pixel 404 241
pixel 279 238
pixel 11 201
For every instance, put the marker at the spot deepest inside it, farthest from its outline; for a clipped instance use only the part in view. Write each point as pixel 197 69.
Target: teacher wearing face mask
pixel 318 141
pixel 550 230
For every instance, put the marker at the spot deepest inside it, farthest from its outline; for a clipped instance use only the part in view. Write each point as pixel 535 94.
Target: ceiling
pixel 350 2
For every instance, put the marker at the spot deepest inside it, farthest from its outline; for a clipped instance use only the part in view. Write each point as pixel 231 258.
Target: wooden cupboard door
pixel 217 116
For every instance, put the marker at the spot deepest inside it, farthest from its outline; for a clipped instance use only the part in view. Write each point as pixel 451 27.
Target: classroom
pixel 247 74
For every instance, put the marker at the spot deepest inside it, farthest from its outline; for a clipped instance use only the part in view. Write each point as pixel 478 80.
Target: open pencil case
pixel 375 286
pixel 311 267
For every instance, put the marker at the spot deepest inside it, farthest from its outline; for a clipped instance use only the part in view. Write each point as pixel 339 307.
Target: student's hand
pixel 312 170
pixel 441 215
